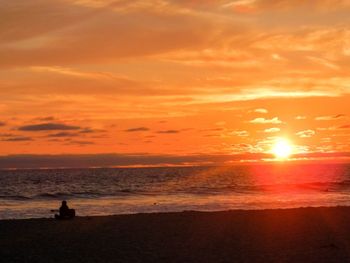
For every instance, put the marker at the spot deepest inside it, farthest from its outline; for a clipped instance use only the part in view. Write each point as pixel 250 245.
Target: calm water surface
pixel 32 193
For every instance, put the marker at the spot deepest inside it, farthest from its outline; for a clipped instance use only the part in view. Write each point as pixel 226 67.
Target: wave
pixel 15 197
pixel 67 195
pixel 210 189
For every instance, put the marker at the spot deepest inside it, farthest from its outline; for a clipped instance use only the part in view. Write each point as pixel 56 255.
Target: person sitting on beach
pixel 65 212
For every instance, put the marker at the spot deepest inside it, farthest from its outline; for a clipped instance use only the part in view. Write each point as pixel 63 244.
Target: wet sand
pixel 285 235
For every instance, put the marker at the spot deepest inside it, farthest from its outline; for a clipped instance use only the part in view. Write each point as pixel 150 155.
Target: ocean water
pixel 33 193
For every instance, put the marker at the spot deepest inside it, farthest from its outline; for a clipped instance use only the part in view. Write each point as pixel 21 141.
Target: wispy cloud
pixel 330 117
pixel 15 138
pixel 306 133
pixel 241 133
pixel 274 120
pixel 63 134
pixel 261 110
pixel 272 130
pixel 346 126
pixel 168 131
pixel 137 129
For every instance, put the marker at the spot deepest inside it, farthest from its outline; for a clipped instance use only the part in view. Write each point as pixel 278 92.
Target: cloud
pixel 7 135
pixel 48 127
pixel 261 110
pixel 300 117
pixel 330 117
pixel 331 128
pixel 87 130
pixel 283 5
pixel 272 130
pixel 68 27
pixel 56 14
pixel 137 129
pixel 62 134
pixel 274 120
pixel 115 160
pixel 306 133
pixel 17 139
pixel 241 133
pixel 169 131
pixel 346 126
pixel 221 123
pixel 2 123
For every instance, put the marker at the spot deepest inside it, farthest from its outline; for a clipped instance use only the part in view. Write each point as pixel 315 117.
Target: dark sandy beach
pixel 290 235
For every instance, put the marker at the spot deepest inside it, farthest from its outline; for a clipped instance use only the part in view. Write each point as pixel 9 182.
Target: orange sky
pixel 174 78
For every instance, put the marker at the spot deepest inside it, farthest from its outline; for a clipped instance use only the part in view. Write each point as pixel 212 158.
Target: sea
pixel 111 191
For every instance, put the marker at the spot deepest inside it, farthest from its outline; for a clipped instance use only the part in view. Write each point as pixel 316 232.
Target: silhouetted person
pixel 65 212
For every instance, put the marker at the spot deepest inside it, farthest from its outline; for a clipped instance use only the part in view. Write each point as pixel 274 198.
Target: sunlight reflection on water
pixel 32 193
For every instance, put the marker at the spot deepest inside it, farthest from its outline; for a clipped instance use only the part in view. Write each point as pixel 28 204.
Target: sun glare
pixel 282 149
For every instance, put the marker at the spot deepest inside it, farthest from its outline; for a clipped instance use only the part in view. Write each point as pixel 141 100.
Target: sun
pixel 282 149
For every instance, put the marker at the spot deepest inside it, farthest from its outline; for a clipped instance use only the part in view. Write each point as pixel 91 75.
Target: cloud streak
pixel 330 118
pixel 137 129
pixel 17 139
pixel 306 133
pixel 274 120
pixel 48 127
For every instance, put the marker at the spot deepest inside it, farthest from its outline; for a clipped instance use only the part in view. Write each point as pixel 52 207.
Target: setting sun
pixel 282 149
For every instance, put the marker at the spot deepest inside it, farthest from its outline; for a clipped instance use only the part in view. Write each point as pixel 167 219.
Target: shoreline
pixel 183 212
pixel 272 235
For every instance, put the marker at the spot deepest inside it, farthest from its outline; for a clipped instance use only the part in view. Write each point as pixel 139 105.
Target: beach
pixel 280 235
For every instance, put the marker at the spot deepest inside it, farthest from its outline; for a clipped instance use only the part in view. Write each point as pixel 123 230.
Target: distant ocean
pixel 32 193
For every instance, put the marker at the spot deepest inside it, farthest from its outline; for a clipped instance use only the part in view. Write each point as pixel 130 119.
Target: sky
pixel 172 82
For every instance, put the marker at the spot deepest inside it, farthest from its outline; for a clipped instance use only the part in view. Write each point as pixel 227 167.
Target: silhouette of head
pixel 64 202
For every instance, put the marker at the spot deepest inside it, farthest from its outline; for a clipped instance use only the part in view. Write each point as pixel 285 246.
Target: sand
pixel 285 235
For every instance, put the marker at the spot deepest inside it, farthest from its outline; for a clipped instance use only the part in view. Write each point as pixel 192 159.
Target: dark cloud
pixel 90 130
pixel 211 135
pixel 113 160
pixel 17 139
pixel 346 126
pixel 63 134
pixel 169 131
pixel 137 129
pixel 7 135
pixel 2 123
pixel 48 127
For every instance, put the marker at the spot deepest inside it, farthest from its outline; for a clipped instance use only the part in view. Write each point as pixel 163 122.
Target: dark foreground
pixel 292 235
